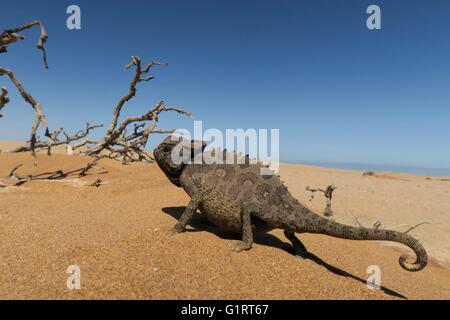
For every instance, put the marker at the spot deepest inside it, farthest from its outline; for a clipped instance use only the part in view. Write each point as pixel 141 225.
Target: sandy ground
pixel 117 235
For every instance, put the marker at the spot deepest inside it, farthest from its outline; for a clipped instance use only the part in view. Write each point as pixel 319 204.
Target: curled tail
pixel 316 224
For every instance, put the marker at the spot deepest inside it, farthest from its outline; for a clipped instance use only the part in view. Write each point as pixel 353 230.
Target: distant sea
pixel 435 172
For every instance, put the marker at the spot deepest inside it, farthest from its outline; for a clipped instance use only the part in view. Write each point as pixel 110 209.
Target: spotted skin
pixel 236 197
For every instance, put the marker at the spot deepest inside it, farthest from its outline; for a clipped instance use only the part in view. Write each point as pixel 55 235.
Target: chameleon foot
pixel 241 246
pixel 174 231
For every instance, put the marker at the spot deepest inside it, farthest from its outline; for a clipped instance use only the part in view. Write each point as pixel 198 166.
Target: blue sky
pixel 337 91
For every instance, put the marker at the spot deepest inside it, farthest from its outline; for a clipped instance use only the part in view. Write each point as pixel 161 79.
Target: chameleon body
pixel 237 197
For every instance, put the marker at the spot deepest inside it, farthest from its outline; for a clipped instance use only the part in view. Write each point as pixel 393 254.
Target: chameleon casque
pixel 237 197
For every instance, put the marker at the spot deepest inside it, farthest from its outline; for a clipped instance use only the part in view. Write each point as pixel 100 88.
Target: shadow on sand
pixel 53 175
pixel 199 224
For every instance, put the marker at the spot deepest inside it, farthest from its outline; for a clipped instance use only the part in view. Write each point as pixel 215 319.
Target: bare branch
pixel 3 98
pixel 328 193
pixel 12 35
pixel 117 143
pixel 417 225
pixel 19 179
pixel 54 140
pixel 13 171
pixel 89 166
pixel 40 118
pixel 356 220
pixel 11 175
pixel 377 224
pixel 135 61
pixel 82 144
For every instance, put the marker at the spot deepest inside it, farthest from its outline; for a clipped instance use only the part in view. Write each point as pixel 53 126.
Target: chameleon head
pixel 173 154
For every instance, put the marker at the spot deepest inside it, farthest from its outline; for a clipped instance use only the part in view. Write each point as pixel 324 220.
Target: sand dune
pixel 117 235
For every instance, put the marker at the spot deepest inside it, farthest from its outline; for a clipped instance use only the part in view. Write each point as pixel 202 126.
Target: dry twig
pixel 328 193
pixel 55 140
pixel 417 225
pixel 97 183
pixel 54 175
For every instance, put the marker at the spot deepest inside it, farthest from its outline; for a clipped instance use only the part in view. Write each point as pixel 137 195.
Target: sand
pixel 117 235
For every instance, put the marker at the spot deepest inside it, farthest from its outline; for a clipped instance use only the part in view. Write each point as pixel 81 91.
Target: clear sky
pixel 337 91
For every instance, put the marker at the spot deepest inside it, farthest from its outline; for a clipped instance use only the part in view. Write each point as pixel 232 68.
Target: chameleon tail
pixel 318 224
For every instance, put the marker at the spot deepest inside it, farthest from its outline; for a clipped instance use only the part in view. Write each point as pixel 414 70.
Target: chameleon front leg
pixel 247 232
pixel 186 216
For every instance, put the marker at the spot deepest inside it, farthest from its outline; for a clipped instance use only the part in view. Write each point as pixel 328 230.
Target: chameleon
pixel 237 197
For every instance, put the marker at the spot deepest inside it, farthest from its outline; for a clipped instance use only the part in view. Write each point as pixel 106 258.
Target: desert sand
pixel 117 235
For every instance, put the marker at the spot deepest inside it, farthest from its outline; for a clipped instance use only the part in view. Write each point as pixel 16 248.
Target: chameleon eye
pixel 166 149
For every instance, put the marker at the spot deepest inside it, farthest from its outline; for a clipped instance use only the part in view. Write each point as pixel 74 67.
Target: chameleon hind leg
pixel 247 232
pixel 300 249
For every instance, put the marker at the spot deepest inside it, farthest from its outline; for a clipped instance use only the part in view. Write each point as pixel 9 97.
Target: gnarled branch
pixel 55 141
pixel 328 193
pixel 11 36
pixel 3 98
pixel 117 142
pixel 40 118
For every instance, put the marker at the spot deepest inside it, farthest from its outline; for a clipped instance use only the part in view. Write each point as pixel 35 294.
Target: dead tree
pixel 11 36
pixel 55 140
pixel 328 193
pixel 118 143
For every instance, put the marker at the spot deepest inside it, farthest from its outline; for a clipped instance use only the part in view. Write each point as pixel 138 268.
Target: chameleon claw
pixel 173 232
pixel 240 246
